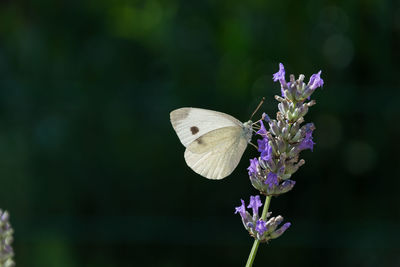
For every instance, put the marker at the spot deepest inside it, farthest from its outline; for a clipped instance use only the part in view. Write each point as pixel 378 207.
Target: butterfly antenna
pixel 259 105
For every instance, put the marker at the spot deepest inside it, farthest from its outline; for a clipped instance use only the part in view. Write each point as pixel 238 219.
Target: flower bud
pixel 295 128
pixel 307 93
pixel 274 127
pixel 303 110
pixel 311 103
pixel 280 99
pixel 280 125
pixel 300 79
pixel 280 231
pixel 285 131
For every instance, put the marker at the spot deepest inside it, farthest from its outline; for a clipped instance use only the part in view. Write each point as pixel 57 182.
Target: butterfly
pixel 214 141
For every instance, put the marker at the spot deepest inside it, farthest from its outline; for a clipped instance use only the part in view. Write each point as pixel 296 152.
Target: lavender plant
pixel 279 149
pixel 6 238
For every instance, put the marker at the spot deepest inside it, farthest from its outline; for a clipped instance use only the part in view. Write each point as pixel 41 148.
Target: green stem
pixel 254 249
pixel 266 206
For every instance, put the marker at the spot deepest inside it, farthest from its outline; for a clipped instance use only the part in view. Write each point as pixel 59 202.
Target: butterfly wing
pixel 216 154
pixel 191 123
pixel 214 141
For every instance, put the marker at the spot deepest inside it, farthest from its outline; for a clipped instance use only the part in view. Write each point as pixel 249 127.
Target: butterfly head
pixel 248 130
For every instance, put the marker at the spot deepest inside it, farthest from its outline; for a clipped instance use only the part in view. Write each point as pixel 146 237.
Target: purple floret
pixel 253 168
pixel 272 180
pixel 241 209
pixel 307 142
pixel 263 130
pixel 255 203
pixel 280 75
pixel 261 227
pixel 316 81
pixel 265 149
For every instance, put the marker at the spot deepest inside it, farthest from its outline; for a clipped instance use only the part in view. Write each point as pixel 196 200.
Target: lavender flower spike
pixel 6 238
pixel 262 229
pixel 279 148
pixel 281 143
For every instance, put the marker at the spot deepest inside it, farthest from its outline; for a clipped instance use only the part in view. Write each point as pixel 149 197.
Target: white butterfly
pixel 214 141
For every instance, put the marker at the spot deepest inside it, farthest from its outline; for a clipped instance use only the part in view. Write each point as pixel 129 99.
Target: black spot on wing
pixel 199 141
pixel 194 130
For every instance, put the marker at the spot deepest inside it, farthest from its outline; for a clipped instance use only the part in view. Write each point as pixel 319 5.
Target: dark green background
pixel 93 173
